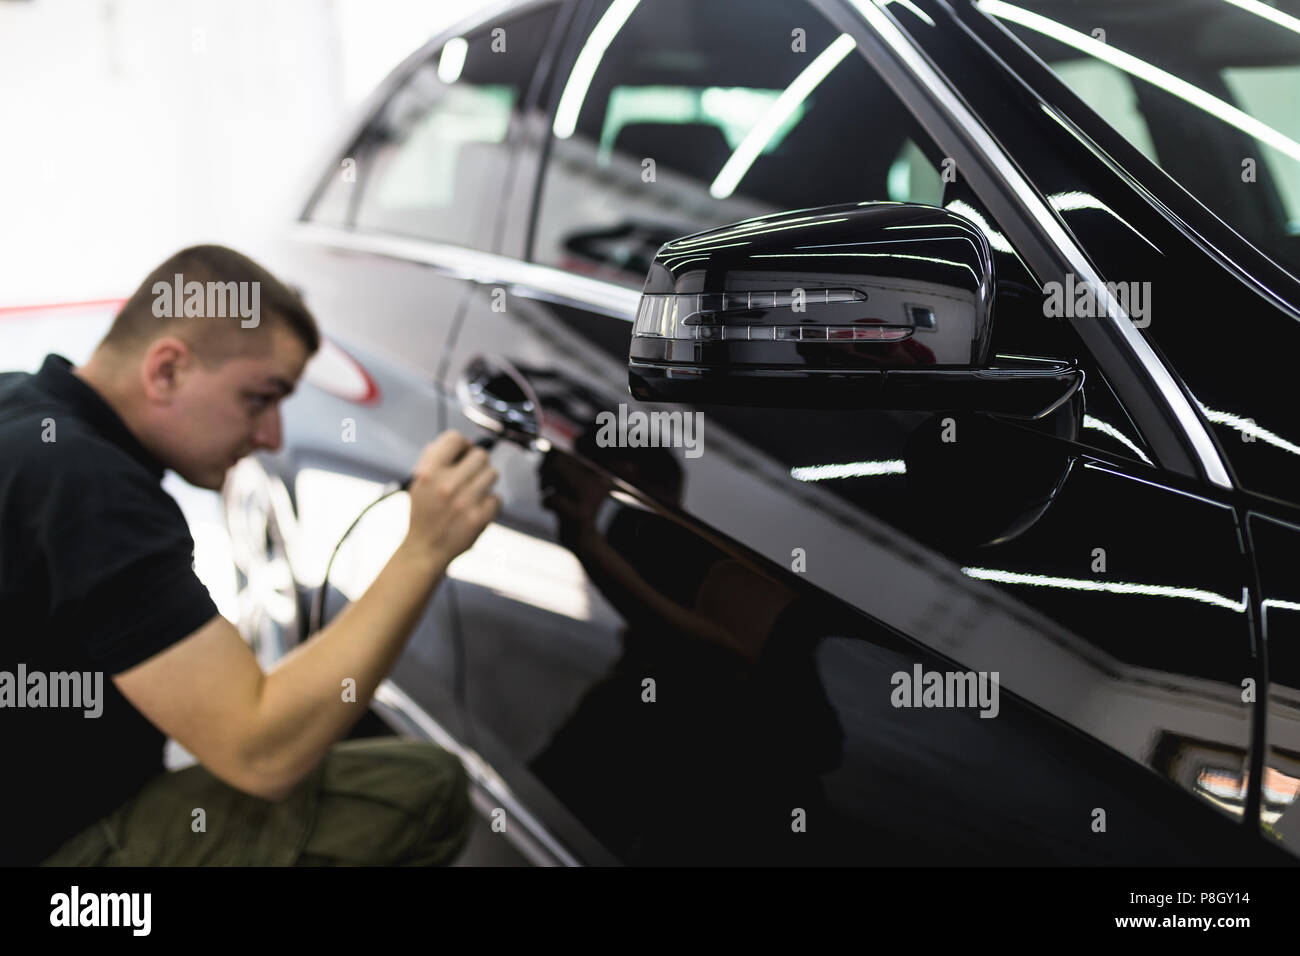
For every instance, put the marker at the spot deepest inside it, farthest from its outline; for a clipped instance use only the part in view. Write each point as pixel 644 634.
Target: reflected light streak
pixel 743 231
pixel 1068 201
pixel 852 469
pixel 995 238
pixel 1219 109
pixel 888 242
pixel 862 255
pixel 584 68
pixel 1098 425
pixel 701 249
pixel 452 60
pixel 908 4
pixel 1286 21
pixel 1248 427
pixel 735 168
pixel 678 265
pixel 928 225
pixel 1110 587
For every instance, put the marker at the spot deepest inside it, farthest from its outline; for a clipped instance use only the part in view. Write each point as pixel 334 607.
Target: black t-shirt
pixel 96 576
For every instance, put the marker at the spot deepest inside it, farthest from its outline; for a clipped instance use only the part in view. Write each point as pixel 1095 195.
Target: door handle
pixel 494 395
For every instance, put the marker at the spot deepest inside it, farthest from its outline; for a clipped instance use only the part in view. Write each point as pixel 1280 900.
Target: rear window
pixel 431 162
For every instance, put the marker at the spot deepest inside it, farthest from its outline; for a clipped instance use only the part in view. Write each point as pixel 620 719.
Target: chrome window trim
pixel 484 268
pixel 536 843
pixel 912 60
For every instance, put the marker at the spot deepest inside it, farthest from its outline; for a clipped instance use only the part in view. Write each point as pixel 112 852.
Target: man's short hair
pixel 217 300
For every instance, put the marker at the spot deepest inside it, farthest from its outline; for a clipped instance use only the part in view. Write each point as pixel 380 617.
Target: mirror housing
pixel 866 305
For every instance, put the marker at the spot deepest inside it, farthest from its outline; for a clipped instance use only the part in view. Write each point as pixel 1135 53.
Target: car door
pixel 1225 247
pixel 741 611
pixel 413 201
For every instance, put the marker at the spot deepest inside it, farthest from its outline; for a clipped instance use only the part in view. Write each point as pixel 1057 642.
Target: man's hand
pixel 261 733
pixel 450 499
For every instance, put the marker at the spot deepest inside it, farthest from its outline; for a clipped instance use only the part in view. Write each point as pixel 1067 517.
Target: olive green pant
pixel 371 802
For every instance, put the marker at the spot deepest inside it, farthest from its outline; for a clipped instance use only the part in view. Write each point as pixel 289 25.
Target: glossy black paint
pixel 774 588
pixel 745 276
pixel 1274 544
pixel 835 307
pixel 1202 273
pixel 1141 224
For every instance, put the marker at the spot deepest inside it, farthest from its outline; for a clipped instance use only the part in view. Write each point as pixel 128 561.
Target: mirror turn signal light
pixel 763 317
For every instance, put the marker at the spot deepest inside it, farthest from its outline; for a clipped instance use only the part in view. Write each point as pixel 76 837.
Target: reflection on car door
pixel 699 655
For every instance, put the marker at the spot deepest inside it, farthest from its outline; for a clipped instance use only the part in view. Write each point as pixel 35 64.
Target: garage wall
pixel 131 128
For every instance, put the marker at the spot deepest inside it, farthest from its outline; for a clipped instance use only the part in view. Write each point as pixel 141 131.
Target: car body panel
pixel 773 588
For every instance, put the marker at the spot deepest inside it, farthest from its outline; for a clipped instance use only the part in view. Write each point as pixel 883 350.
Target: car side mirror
pixel 861 305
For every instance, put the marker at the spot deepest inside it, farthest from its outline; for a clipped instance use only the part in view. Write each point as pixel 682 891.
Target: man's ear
pixel 166 362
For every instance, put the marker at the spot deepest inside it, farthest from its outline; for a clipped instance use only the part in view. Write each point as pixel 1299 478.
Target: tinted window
pixel 431 163
pixel 1208 90
pixel 1205 89
pixel 712 111
pixel 688 114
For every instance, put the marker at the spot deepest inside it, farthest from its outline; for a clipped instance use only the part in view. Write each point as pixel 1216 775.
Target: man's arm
pixel 262 733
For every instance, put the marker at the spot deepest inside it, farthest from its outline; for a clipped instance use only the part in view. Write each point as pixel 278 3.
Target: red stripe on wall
pixel 11 311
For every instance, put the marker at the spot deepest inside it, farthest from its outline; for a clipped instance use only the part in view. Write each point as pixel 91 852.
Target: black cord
pixel 317 618
pixel 318 604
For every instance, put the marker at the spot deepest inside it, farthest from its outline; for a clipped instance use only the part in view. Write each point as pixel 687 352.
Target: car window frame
pixel 1165 194
pixel 1169 445
pixel 579 25
pixel 1169 432
pixel 356 140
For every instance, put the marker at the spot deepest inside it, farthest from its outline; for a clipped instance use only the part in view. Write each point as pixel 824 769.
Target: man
pixel 96 578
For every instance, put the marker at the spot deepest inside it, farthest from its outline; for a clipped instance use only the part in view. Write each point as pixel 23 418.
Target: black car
pixel 885 475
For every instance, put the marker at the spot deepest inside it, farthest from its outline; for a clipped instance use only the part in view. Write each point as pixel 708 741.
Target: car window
pixel 1206 90
pixel 431 163
pixel 691 115
pixel 682 115
pixel 1212 88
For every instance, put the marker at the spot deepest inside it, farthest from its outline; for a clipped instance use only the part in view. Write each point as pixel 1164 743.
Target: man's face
pixel 216 416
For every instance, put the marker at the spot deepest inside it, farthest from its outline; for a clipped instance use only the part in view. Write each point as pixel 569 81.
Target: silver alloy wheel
pixel 260 519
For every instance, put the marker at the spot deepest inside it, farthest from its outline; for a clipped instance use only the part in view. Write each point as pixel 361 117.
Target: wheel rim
pixel 259 517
